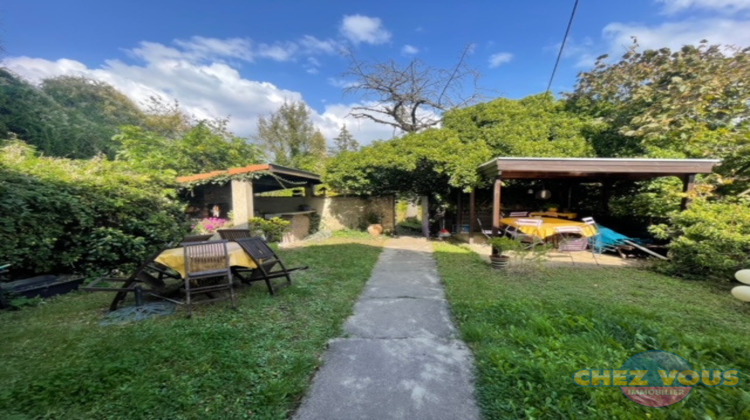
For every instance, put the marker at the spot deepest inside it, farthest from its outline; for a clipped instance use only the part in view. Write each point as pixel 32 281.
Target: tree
pixel 290 137
pixel 202 148
pixel 537 125
pixel 95 110
pixel 693 103
pixel 344 142
pixel 411 97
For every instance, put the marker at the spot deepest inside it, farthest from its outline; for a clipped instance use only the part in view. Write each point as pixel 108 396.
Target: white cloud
pixel 409 50
pixel 496 60
pixel 341 83
pixel 213 48
pixel 313 45
pixel 676 34
pixel 204 89
pixel 280 51
pixel 722 6
pixel 358 29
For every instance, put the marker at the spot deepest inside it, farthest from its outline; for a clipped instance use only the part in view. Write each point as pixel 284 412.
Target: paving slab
pixel 400 318
pixel 402 358
pixel 418 378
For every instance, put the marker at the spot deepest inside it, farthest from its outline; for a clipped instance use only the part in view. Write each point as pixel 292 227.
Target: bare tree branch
pixel 411 97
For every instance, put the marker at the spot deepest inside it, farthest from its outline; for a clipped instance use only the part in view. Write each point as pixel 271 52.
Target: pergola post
pixel 688 185
pixel 472 215
pixel 242 203
pixel 496 206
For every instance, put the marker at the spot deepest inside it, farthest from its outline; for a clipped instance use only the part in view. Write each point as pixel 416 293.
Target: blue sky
pixel 244 58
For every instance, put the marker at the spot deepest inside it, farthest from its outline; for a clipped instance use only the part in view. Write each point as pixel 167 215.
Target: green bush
pixel 709 239
pixel 80 216
pixel 273 229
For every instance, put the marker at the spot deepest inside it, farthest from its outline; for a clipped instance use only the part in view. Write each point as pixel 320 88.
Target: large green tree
pixel 694 102
pixel 344 142
pixel 290 137
pixel 204 147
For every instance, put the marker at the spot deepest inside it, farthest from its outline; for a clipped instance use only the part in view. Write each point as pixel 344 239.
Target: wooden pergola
pixel 605 170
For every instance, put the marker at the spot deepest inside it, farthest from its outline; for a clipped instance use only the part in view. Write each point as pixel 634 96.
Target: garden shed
pixel 236 190
pixel 603 170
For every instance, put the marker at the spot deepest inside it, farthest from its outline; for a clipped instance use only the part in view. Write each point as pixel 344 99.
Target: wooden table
pixel 174 258
pixel 558 214
pixel 548 226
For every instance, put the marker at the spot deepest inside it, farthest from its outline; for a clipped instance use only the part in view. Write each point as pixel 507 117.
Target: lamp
pixel 544 194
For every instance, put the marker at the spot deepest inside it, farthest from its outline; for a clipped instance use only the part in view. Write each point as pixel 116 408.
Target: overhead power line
pixel 565 38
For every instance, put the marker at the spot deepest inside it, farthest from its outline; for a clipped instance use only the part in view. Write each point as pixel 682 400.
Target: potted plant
pixel 552 207
pixel 500 245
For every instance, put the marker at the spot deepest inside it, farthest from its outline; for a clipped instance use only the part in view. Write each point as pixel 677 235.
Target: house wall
pixel 336 212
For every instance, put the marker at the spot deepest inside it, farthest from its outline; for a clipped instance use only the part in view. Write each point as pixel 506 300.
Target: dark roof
pixel 272 177
pixel 593 168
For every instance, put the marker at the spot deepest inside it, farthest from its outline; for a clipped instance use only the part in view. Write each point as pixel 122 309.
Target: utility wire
pixel 565 38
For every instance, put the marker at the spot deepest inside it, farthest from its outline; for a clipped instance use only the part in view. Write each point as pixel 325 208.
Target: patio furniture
pixel 234 234
pixel 548 226
pixel 207 271
pixel 561 215
pixel 150 274
pixel 530 235
pixel 486 232
pixel 571 239
pixel 269 264
pixel 518 214
pixel 174 258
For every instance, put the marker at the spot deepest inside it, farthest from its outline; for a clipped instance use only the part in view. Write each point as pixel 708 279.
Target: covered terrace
pixel 602 170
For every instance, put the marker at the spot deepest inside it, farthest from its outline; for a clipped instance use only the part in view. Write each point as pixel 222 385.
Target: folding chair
pixel 269 264
pixel 149 272
pixel 486 232
pixel 206 264
pixel 571 240
pixel 234 234
pixel 518 214
pixel 531 240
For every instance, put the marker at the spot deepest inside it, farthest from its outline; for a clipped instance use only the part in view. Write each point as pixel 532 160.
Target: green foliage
pixel 59 364
pixel 60 215
pixel 711 239
pixel 290 137
pixel 273 229
pixel 537 126
pixel 344 142
pixel 421 163
pixel 203 148
pixel 502 244
pixel 689 103
pixel 531 331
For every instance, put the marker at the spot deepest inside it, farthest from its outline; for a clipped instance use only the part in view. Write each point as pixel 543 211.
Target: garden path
pixel 401 357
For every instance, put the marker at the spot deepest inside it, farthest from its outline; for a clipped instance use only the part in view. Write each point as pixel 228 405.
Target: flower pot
pixel 375 230
pixel 499 262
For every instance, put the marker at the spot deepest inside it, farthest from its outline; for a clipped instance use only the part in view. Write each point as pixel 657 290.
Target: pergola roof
pixel 594 169
pixel 271 178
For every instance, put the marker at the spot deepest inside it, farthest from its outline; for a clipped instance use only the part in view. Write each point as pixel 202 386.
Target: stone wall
pixel 336 212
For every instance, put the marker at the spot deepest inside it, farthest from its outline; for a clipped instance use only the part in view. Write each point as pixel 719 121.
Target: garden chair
pixel 519 214
pixel 207 271
pixel 571 239
pixel 529 240
pixel 269 265
pixel 149 273
pixel 234 234
pixel 486 232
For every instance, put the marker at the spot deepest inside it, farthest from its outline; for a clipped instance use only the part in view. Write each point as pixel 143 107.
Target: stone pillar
pixel 242 203
pixel 426 216
pixel 472 215
pixel 496 206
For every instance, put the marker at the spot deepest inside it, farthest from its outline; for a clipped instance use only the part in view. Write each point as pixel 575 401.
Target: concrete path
pixel 401 358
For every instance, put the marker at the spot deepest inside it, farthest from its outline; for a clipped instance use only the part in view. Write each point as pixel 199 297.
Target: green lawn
pixel 255 362
pixel 531 331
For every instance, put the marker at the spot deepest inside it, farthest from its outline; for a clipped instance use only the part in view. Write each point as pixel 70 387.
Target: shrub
pixel 273 229
pixel 76 216
pixel 709 239
pixel 210 225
